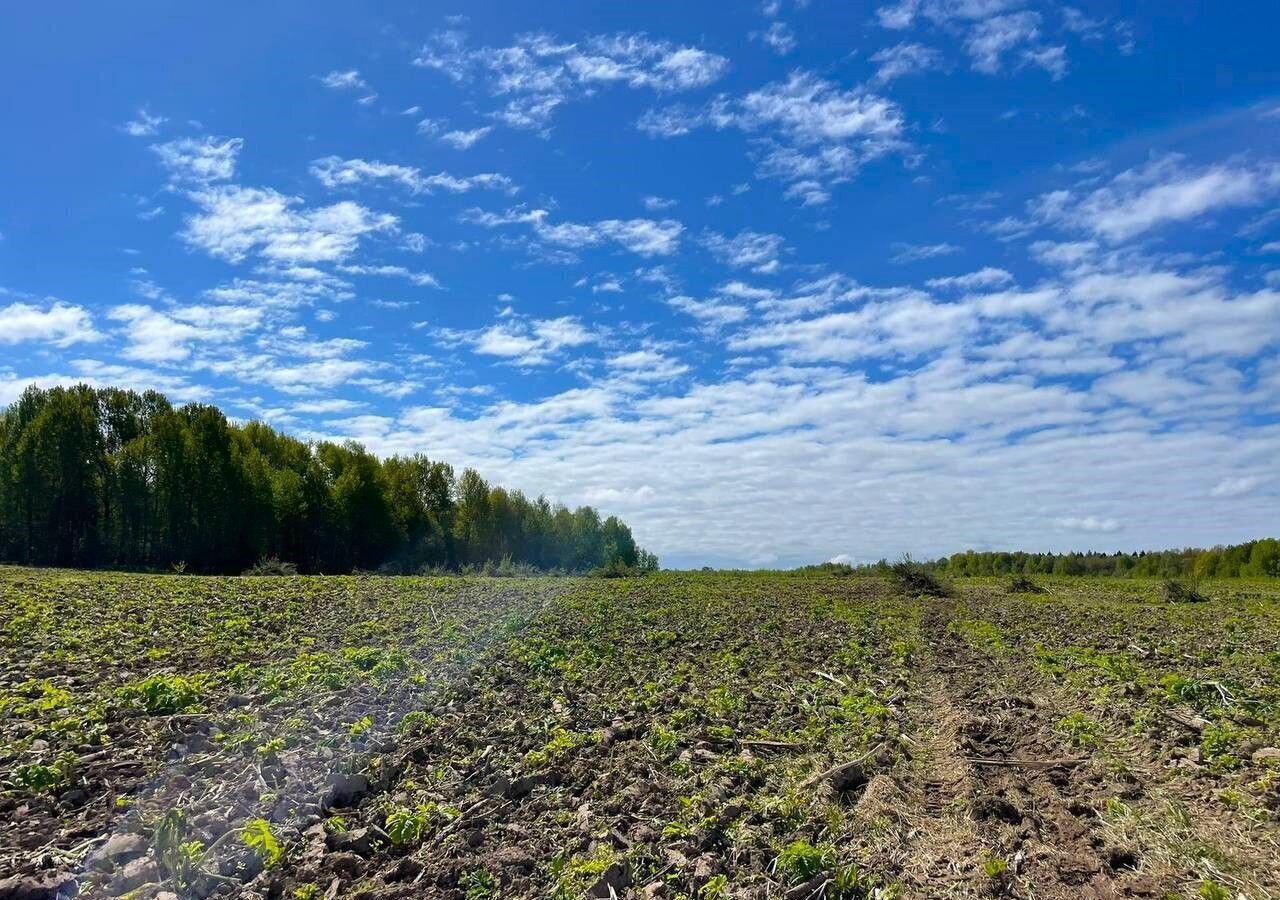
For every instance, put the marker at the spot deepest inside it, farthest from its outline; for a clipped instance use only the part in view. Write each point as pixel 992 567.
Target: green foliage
pixel 1021 584
pixel 715 888
pixel 92 478
pixel 1217 746
pixel 405 825
pixel 479 884
pixel 664 741
pixel 271 566
pixel 1211 890
pixel 1189 690
pixel 258 836
pixel 1176 591
pixel 915 578
pixel 1081 730
pixel 37 778
pixel 176 856
pixel 572 875
pixel 558 744
pixel 1249 560
pixel 166 694
pixel 799 861
pixel 994 867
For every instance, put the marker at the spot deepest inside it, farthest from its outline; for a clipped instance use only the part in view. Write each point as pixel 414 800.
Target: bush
pixel 914 578
pixel 1021 584
pixel 1182 591
pixel 615 569
pixel 269 565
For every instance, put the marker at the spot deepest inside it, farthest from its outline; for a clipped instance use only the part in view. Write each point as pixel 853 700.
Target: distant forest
pixel 112 478
pixel 1255 558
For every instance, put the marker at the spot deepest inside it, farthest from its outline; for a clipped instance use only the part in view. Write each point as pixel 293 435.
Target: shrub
pixel 615 569
pixel 269 565
pixel 914 578
pixel 1021 584
pixel 1182 591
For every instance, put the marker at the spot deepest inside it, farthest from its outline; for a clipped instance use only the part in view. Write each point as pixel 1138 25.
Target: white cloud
pixel 920 440
pixel 993 30
pixel 465 140
pixel 645 237
pixel 335 172
pixel 816 133
pixel 906 253
pixel 527 342
pixel 234 221
pixel 1237 486
pixel 779 38
pixel 421 279
pixel 646 365
pixel 1093 524
pixel 983 278
pixel 906 58
pixel 991 39
pixel 899 15
pixel 344 80
pixel 747 249
pixel 144 125
pixel 809 110
pixel 415 242
pixel 714 312
pixel 657 204
pixel 166 337
pixel 1162 192
pixel 537 74
pixel 200 160
pixel 60 324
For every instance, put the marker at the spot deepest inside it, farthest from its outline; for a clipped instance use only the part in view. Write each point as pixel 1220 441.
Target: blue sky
pixel 777 284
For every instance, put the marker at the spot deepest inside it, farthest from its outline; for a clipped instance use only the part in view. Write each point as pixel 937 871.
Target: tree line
pixel 113 478
pixel 1250 559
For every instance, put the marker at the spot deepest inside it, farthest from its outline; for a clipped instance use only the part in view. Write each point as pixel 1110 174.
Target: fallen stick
pixel 1031 763
pixel 777 745
pixel 833 679
pixel 840 769
pixel 1187 719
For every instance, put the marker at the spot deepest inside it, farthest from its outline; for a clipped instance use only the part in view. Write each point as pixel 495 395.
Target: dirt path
pixel 1006 807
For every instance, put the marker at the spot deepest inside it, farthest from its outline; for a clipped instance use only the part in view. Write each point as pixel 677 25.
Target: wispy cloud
pixel 200 160
pixel 645 237
pixel 906 253
pixel 144 124
pixel 538 73
pixel 817 133
pixel 335 172
pixel 1094 524
pixel 904 59
pixel 524 341
pixel 234 221
pixel 746 250
pixel 779 38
